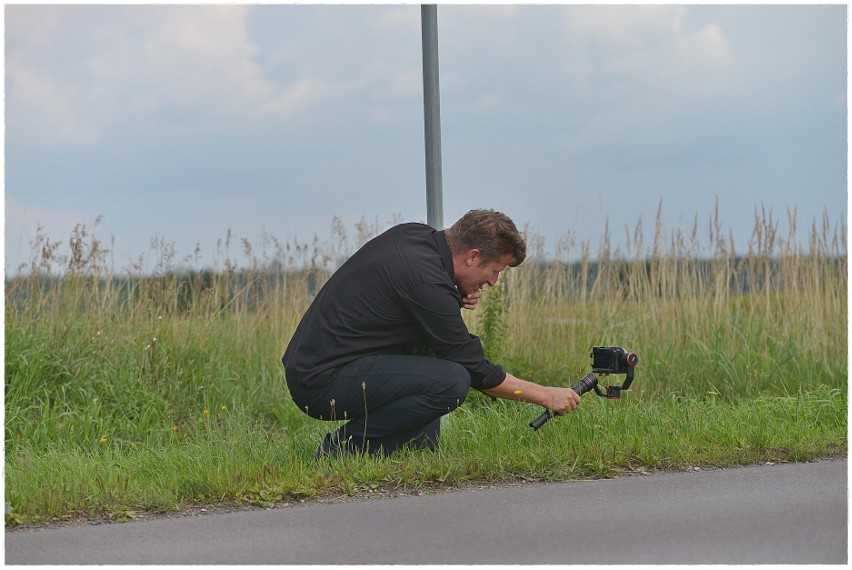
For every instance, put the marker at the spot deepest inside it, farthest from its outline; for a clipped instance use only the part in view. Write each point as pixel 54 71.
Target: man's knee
pixel 455 382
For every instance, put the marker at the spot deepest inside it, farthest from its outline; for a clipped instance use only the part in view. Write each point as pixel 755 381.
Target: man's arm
pixel 560 401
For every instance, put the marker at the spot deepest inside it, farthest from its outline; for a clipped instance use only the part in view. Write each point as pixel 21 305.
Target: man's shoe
pixel 330 447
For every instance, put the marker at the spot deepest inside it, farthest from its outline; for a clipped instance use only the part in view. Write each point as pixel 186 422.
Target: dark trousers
pixel 388 400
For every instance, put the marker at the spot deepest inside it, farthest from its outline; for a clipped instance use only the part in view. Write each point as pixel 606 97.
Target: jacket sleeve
pixel 434 309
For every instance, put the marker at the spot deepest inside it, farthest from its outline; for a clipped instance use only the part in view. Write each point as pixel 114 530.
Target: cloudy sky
pixel 180 123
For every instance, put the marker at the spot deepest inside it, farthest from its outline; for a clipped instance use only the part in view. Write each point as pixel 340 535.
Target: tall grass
pixel 161 383
pixel 771 320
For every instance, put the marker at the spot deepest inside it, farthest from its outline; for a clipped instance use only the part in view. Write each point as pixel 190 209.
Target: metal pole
pixel 432 117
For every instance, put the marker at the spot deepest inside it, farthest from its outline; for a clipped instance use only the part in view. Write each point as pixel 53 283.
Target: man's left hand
pixel 470 301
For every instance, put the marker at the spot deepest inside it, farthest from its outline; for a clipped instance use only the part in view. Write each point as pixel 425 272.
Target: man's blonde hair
pixel 493 233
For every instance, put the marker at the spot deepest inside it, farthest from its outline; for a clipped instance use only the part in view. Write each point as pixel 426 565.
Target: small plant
pixel 492 323
pixel 13 518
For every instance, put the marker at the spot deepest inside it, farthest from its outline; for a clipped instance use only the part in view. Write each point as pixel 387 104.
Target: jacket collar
pixel 446 254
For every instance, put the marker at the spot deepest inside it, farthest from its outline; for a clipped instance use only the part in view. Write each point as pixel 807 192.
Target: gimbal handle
pixel 587 383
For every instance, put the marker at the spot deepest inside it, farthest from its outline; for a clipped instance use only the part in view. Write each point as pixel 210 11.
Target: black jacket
pixel 395 295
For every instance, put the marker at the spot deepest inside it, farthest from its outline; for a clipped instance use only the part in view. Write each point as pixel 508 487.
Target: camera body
pixel 612 360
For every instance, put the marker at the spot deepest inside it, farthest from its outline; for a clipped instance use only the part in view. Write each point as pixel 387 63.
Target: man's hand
pixel 471 300
pixel 562 400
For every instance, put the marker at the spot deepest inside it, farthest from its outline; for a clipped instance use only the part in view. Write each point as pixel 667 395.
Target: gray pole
pixel 432 117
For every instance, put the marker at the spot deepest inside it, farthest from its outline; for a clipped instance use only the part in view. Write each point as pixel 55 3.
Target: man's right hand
pixel 562 400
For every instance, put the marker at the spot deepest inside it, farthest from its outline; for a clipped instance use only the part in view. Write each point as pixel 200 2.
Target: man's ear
pixel 472 256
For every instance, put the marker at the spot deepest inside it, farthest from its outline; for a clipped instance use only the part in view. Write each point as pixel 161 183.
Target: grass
pixel 134 391
pixel 244 462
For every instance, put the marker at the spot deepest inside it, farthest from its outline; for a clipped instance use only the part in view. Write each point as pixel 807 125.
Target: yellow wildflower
pixel 224 408
pixel 103 440
pixel 174 428
pixel 205 412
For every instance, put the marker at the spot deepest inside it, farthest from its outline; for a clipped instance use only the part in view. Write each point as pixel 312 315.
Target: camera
pixel 612 360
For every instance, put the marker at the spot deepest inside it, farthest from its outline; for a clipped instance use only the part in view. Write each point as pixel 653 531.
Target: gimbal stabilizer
pixel 605 360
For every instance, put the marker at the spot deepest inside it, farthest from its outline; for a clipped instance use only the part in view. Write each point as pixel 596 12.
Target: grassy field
pixel 126 394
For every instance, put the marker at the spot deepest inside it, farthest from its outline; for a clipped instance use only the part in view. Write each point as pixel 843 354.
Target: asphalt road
pixel 780 514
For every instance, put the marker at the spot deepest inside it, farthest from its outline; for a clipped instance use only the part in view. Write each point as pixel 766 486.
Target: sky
pixel 173 127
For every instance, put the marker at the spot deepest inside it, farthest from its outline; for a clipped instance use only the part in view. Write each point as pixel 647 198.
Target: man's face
pixel 474 274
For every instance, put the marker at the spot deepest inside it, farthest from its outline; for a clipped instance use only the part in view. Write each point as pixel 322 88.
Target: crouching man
pixel 384 345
